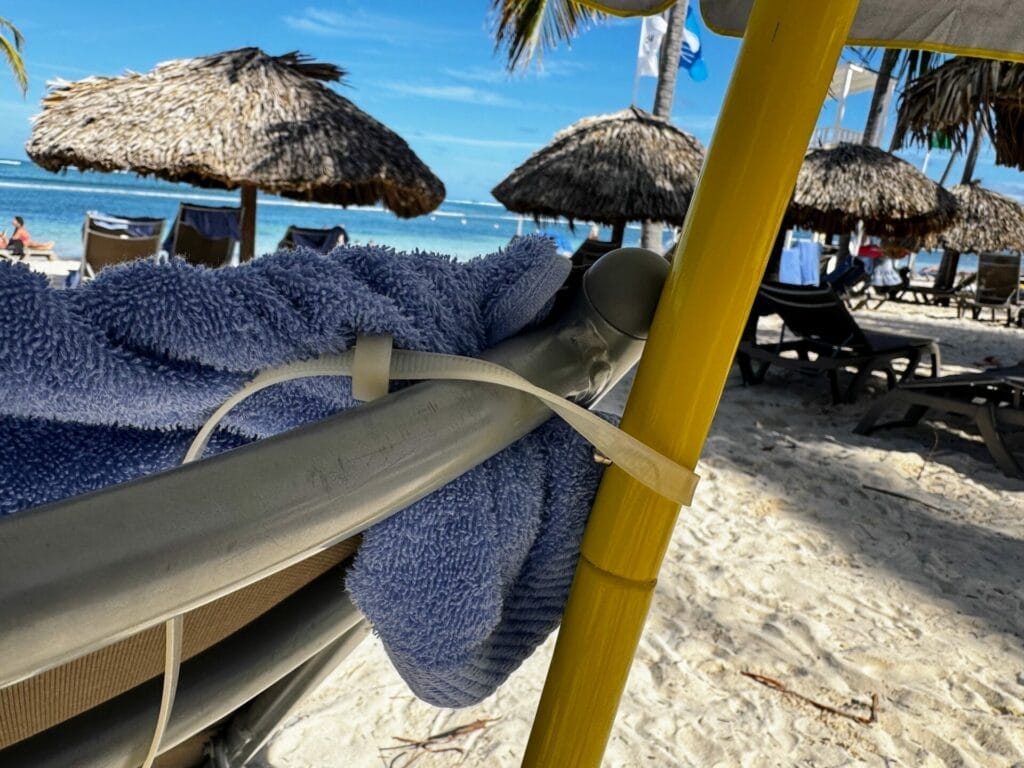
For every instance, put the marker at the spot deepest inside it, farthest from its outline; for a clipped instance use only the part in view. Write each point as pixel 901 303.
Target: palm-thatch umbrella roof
pixel 985 221
pixel 847 183
pixel 624 166
pixel 962 95
pixel 240 118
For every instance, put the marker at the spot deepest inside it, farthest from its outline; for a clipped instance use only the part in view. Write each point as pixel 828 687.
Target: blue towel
pixel 499 545
pixel 213 222
pixel 110 382
pixel 801 264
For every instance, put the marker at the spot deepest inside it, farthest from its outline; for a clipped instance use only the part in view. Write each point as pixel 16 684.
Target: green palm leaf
pixel 528 27
pixel 11 51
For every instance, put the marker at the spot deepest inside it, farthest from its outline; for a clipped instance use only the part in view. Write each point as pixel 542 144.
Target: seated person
pixel 21 234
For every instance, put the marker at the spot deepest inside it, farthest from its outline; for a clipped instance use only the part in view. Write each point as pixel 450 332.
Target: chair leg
pixel 860 379
pixel 936 356
pixel 986 421
pixel 867 424
pixel 833 381
pixel 746 369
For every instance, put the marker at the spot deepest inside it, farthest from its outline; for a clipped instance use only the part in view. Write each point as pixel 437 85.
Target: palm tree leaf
pixel 952 99
pixel 12 52
pixel 527 28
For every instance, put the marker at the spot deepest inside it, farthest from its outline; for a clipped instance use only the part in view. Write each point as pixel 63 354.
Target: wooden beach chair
pixel 323 240
pixel 997 288
pixel 110 240
pixel 827 340
pixel 992 399
pixel 253 555
pixel 186 239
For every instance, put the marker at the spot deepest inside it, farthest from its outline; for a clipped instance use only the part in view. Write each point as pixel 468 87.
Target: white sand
pixel 789 567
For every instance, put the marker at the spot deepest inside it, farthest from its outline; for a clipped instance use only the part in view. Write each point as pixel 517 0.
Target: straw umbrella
pixel 847 183
pixel 610 169
pixel 985 221
pixel 238 119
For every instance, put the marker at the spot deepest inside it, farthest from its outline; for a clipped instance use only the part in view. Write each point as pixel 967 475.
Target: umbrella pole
pixel 248 245
pixel 788 56
pixel 618 232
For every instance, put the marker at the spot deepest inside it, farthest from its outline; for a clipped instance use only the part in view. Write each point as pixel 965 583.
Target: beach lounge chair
pixel 827 339
pixel 922 294
pixel 204 235
pixel 322 240
pixel 997 286
pixel 252 546
pixel 109 240
pixel 993 399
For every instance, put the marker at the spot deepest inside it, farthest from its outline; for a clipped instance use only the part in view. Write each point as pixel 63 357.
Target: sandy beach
pixel 796 564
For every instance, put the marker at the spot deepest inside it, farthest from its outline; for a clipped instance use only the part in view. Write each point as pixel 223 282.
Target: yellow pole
pixel 785 64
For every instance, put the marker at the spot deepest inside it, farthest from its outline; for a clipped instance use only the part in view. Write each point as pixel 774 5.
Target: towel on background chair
pixel 801 264
pixel 111 381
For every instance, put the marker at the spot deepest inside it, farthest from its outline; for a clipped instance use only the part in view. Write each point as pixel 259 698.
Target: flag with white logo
pixel 652 31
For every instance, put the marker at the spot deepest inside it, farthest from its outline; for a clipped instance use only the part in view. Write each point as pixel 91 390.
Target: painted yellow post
pixel 785 64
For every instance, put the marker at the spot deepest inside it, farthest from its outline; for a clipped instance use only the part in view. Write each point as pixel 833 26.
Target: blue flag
pixel 692 57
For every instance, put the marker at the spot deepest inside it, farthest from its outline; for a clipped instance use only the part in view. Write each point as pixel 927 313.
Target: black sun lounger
pixel 923 294
pixel 998 286
pixel 251 546
pixel 827 340
pixel 994 399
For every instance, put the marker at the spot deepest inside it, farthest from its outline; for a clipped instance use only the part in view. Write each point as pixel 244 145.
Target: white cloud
pixel 460 93
pixel 499 75
pixel 359 24
pixel 442 138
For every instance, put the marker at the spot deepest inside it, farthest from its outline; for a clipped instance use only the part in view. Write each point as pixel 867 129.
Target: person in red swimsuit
pixel 22 234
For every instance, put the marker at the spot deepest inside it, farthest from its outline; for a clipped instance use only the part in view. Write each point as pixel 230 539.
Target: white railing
pixel 831 135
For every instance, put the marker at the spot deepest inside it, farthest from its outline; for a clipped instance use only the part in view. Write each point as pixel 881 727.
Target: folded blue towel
pixel 110 381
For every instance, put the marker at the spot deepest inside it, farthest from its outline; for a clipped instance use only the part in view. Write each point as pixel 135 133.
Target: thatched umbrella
pixel 243 119
pixel 847 183
pixel 625 166
pixel 985 221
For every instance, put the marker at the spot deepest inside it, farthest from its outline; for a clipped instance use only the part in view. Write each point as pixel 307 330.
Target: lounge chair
pixel 998 286
pixel 204 235
pixel 922 294
pixel 827 340
pixel 109 240
pixel 252 547
pixel 322 240
pixel 993 399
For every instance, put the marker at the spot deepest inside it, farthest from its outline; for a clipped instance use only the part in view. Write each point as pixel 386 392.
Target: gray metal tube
pixel 212 685
pixel 85 572
pixel 253 726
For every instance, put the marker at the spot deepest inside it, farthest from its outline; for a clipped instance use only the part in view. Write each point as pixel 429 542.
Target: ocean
pixel 54 206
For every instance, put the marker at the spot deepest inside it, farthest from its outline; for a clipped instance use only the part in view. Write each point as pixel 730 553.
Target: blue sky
pixel 432 76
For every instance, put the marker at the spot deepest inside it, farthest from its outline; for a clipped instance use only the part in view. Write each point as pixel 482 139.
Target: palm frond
pixel 526 28
pixel 12 52
pixel 953 99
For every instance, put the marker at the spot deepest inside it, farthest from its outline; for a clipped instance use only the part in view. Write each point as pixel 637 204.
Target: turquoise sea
pixel 54 206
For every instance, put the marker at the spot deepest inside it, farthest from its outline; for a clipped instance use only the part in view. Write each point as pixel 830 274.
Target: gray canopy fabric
pixel 988 28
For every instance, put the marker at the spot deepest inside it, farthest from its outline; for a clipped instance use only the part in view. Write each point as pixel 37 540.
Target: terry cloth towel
pixel 801 264
pixel 111 381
